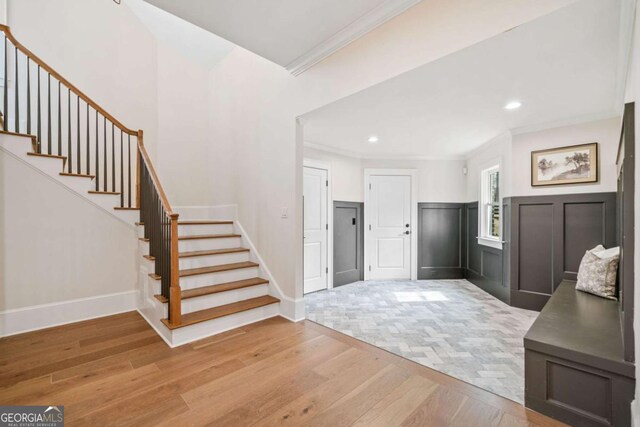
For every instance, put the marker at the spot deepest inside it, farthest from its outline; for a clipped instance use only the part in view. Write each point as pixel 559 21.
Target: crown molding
pixel 350 33
pixel 381 156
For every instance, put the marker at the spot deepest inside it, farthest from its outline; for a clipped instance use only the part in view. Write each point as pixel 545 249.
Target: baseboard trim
pixel 290 308
pixel 28 319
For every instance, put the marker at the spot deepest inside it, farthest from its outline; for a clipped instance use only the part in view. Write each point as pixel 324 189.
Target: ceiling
pixel 561 67
pixel 292 33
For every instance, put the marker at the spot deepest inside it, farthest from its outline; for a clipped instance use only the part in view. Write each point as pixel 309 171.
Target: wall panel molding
pixel 548 236
pixel 441 241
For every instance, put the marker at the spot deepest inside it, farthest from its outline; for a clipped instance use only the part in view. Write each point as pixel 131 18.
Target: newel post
pixel 175 309
pixel 138 159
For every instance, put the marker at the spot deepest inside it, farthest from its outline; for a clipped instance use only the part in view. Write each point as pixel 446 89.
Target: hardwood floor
pixel 116 371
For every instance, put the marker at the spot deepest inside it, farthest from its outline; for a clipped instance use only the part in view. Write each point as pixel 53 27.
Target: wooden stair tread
pixel 110 193
pixel 221 311
pixel 203 222
pixel 155 276
pixel 217 268
pixel 77 175
pixel 149 257
pixel 211 252
pixel 51 156
pixel 122 208
pixel 207 236
pixel 143 239
pixel 215 289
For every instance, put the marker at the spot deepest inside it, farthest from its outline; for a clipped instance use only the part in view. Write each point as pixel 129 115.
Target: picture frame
pixel 572 164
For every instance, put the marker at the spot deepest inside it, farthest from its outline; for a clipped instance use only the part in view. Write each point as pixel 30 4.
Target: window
pixel 490 211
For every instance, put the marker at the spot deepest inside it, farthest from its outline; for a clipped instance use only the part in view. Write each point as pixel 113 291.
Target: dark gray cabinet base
pixel 577 394
pixel 574 361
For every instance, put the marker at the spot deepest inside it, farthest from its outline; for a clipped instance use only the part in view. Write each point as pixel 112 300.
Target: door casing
pixel 326 166
pixel 412 173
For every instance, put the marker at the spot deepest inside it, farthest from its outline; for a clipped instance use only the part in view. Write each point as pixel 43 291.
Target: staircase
pixel 197 277
pixel 222 286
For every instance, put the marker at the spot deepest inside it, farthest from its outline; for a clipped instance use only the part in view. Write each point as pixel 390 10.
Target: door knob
pixel 407 232
pixel 407 225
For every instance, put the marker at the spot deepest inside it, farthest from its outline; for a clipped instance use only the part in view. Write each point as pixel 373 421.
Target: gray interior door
pixel 348 243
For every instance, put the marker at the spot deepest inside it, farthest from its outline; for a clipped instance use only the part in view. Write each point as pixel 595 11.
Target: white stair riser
pixel 205 244
pixel 209 260
pixel 192 230
pixel 79 185
pixel 212 327
pixel 190 305
pixel 49 166
pixel 143 247
pixel 17 145
pixel 200 280
pixel 129 216
pixel 103 200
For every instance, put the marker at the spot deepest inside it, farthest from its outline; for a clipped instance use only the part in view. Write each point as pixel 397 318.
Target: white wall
pixel 56 245
pixel 346 174
pixel 514 153
pixel 604 132
pixel 438 180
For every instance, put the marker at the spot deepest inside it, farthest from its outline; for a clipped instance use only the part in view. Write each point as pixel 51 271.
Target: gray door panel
pixel 348 243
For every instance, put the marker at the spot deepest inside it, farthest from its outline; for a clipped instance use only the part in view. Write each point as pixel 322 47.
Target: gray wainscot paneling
pixel 547 238
pixel 485 266
pixel 441 241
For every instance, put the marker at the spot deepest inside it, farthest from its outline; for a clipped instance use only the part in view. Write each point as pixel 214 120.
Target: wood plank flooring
pixel 116 371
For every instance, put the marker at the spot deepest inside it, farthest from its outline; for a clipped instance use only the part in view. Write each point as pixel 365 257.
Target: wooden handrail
pixel 54 73
pixel 154 176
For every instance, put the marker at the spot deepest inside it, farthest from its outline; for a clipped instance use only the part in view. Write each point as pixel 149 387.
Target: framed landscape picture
pixel 576 164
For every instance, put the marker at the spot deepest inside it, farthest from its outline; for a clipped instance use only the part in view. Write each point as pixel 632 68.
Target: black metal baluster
pixel 129 180
pixel 113 159
pixel 97 157
pixel 17 97
pixel 69 131
pixel 6 88
pixel 121 169
pixel 49 113
pixel 39 121
pixel 60 124
pixel 104 140
pixel 77 132
pixel 88 143
pixel 28 96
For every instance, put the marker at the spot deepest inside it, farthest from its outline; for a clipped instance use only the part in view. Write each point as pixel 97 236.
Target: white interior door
pixel 389 236
pixel 315 229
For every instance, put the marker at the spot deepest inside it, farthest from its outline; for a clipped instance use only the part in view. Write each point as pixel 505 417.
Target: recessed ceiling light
pixel 373 139
pixel 513 105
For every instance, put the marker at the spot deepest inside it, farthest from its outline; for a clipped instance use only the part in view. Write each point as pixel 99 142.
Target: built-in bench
pixel 575 368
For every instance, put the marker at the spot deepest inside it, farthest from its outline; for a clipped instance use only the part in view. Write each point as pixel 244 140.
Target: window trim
pixel 483 218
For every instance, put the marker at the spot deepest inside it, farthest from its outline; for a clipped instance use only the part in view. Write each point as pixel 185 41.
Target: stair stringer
pixel 18 145
pixel 291 309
